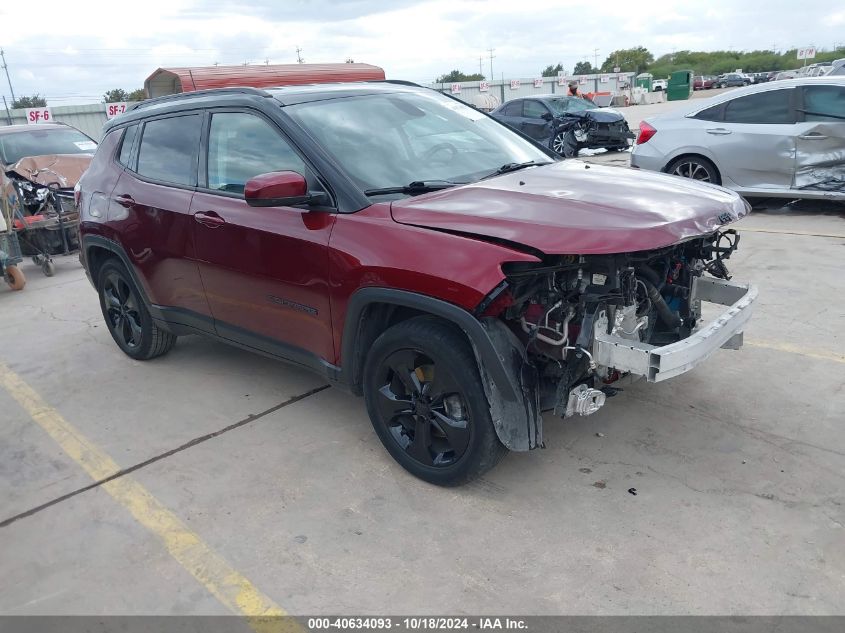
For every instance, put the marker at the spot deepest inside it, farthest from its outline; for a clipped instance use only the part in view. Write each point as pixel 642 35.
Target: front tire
pixel 127 317
pixel 427 403
pixel 565 144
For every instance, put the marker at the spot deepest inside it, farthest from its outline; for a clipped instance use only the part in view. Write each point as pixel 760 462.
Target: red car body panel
pixel 369 249
pixel 573 208
pixel 266 270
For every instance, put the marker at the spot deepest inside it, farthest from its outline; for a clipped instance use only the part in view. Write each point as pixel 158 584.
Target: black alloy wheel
pixel 122 310
pixel 427 403
pixel 423 409
pixel 127 316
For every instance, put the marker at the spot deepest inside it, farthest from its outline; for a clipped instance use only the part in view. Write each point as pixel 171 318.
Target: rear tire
pixel 696 168
pixel 127 317
pixel 14 277
pixel 427 403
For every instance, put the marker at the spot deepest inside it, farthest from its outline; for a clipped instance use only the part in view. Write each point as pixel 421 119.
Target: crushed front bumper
pixel 660 363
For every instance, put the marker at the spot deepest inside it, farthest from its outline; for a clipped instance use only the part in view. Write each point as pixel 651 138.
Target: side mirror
pixel 278 189
pixel 547 116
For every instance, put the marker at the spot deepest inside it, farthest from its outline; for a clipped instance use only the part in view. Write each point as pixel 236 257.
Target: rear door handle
pixel 718 130
pixel 812 137
pixel 125 200
pixel 209 219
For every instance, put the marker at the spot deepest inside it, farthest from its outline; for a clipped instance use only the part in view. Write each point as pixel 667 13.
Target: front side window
pixel 170 148
pixel 534 109
pixel 824 103
pixel 241 146
pixel 392 139
pixel 771 106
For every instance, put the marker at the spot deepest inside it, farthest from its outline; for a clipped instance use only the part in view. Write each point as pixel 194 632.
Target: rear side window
pixel 170 148
pixel 241 146
pixel 713 113
pixel 514 108
pixel 771 106
pixel 824 103
pixel 126 145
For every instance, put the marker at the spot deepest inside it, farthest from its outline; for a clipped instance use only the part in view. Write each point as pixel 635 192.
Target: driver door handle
pixel 718 130
pixel 812 137
pixel 209 219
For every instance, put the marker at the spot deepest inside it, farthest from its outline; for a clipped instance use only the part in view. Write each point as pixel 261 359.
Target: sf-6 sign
pixel 807 53
pixel 115 109
pixel 39 115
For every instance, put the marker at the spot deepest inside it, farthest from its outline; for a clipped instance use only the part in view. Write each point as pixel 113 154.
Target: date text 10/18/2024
pixel 416 623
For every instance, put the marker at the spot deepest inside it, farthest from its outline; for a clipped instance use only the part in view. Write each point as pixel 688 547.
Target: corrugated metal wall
pixel 87 118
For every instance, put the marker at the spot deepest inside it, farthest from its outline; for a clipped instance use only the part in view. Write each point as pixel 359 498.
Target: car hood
pixel 58 170
pixel 570 207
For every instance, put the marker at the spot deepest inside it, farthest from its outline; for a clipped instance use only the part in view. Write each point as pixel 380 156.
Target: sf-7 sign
pixel 115 109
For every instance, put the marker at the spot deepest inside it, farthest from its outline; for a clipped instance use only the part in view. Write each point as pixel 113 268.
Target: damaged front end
pixel 587 322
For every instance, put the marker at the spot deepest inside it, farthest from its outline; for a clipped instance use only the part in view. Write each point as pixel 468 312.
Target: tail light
pixel 77 195
pixel 646 132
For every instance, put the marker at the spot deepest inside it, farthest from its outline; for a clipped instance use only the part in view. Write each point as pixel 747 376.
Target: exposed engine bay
pixel 566 308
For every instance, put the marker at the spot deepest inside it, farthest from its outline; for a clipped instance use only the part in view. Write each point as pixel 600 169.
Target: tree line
pixel 116 95
pixel 639 59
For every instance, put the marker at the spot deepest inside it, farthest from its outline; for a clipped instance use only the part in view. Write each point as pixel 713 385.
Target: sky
pixel 73 51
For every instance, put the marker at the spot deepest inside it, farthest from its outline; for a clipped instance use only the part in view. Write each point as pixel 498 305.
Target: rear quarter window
pixel 169 149
pixel 126 143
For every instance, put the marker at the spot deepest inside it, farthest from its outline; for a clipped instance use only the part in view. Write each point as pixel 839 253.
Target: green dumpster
pixel 680 85
pixel 644 81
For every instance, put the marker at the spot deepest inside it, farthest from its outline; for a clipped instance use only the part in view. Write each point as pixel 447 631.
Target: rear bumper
pixel 661 363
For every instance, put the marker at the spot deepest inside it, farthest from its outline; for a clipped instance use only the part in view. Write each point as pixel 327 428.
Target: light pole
pixel 6 68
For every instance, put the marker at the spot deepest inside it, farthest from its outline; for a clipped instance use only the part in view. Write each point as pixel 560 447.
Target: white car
pixel 658 84
pixel 782 139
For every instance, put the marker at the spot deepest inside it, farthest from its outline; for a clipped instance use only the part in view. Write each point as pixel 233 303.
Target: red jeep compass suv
pixel 411 249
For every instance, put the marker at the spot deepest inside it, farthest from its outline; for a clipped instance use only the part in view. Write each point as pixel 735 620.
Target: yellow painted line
pixel 228 585
pixel 797 349
pixel 779 232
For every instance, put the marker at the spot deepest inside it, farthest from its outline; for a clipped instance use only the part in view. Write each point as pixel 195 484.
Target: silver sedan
pixel 779 139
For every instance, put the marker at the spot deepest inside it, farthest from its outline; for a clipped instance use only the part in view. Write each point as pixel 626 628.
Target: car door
pixel 753 139
pixel 820 137
pixel 511 113
pixel 151 206
pixel 536 119
pixel 265 269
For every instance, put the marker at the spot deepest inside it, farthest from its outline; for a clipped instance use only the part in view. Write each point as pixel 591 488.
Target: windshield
pixel 569 104
pixel 43 142
pixel 389 140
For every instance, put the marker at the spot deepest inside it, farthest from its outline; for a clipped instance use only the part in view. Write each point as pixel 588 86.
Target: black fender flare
pixel 509 381
pixel 91 241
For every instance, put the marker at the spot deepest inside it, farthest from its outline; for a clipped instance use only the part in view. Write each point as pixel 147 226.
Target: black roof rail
pixel 201 93
pixel 401 82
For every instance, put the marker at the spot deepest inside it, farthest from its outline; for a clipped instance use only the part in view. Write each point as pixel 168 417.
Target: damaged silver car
pixel 784 139
pixel 39 168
